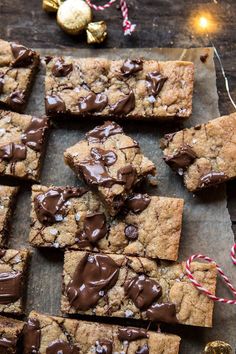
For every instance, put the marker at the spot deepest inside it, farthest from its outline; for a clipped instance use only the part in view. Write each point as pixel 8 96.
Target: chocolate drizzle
pixel 60 346
pixel 131 334
pixel 128 176
pixel 108 157
pixel 10 287
pixel 52 203
pixel 131 232
pixel 94 276
pixel 34 133
pixel 131 66
pixel 104 346
pixel 142 350
pixel 93 103
pixel 212 178
pixel 182 159
pixel 32 336
pixel 54 104
pixel 101 133
pixel 164 312
pixel 143 291
pixel 124 106
pixel 155 81
pixel 95 228
pixel 23 56
pixel 61 69
pixel 13 152
pixel 16 100
pixel 138 202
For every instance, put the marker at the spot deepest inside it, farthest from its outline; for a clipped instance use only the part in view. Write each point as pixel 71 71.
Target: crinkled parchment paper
pixel 206 227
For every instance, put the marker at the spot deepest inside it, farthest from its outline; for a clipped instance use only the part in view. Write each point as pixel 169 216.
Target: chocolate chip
pixel 32 336
pixel 131 66
pixel 95 227
pixel 138 202
pixel 204 57
pixel 95 173
pixel 128 176
pixel 131 334
pixel 180 160
pixel 212 178
pixel 93 103
pixel 10 287
pixel 104 346
pixel 131 232
pixel 144 349
pixel 101 133
pixel 16 100
pixel 61 69
pixel 13 152
pixel 124 105
pixel 155 81
pixel 54 104
pixel 23 56
pixel 34 133
pixel 164 312
pixel 108 157
pixel 60 346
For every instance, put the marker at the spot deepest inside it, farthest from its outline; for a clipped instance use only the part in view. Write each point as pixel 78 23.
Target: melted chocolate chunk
pixel 13 152
pixel 131 232
pixel 2 253
pixel 124 105
pixel 131 66
pixel 127 175
pixel 95 173
pixel 138 202
pixel 93 103
pixel 101 133
pixel 47 59
pixel 7 343
pixel 143 350
pixel 143 291
pixel 2 81
pixel 155 82
pixel 54 104
pixel 23 56
pixel 108 157
pixel 183 158
pixel 10 287
pixel 93 277
pixel 60 69
pixel 131 334
pixel 52 203
pixel 104 346
pixel 34 133
pixel 16 100
pixel 32 336
pixel 165 312
pixel 95 227
pixel 212 178
pixel 61 347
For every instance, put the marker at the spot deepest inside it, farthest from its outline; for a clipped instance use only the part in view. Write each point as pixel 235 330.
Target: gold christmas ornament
pixel 96 32
pixel 218 347
pixel 73 16
pixel 51 5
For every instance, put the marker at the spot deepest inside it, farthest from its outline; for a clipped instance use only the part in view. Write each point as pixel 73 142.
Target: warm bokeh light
pixel 203 22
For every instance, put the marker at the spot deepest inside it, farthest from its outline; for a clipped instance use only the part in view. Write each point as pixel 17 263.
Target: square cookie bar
pixel 10 335
pixel 75 218
pixel 204 154
pixel 136 287
pixel 110 162
pixel 48 334
pixel 13 269
pixel 130 89
pixel 22 141
pixel 7 199
pixel 18 66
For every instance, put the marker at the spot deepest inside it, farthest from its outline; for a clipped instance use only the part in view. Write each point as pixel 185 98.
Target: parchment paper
pixel 206 226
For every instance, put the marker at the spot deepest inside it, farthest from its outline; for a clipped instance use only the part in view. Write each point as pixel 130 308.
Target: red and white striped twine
pixel 232 254
pixel 128 27
pixel 220 271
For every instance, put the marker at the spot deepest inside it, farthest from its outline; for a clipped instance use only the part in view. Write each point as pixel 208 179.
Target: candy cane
pixel 232 254
pixel 204 290
pixel 128 27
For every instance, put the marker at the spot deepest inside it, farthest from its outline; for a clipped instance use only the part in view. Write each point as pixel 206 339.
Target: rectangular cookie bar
pixel 13 269
pixel 22 139
pixel 10 335
pixel 75 218
pixel 18 66
pixel 132 88
pixel 109 162
pixel 122 286
pixel 48 334
pixel 204 154
pixel 7 199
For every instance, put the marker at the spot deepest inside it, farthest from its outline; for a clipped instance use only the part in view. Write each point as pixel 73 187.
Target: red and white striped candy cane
pixel 232 254
pixel 128 27
pixel 204 290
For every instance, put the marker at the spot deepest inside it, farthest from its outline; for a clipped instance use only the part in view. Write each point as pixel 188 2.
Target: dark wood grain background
pixel 160 23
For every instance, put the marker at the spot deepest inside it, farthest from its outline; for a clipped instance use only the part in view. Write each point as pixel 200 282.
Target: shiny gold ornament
pixel 51 5
pixel 73 16
pixel 218 347
pixel 96 32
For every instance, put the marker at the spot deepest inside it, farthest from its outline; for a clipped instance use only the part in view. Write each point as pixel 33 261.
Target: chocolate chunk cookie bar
pixel 18 66
pixel 132 88
pixel 22 139
pixel 46 334
pixel 205 154
pixel 109 162
pixel 13 267
pixel 7 198
pixel 136 287
pixel 75 218
pixel 10 335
